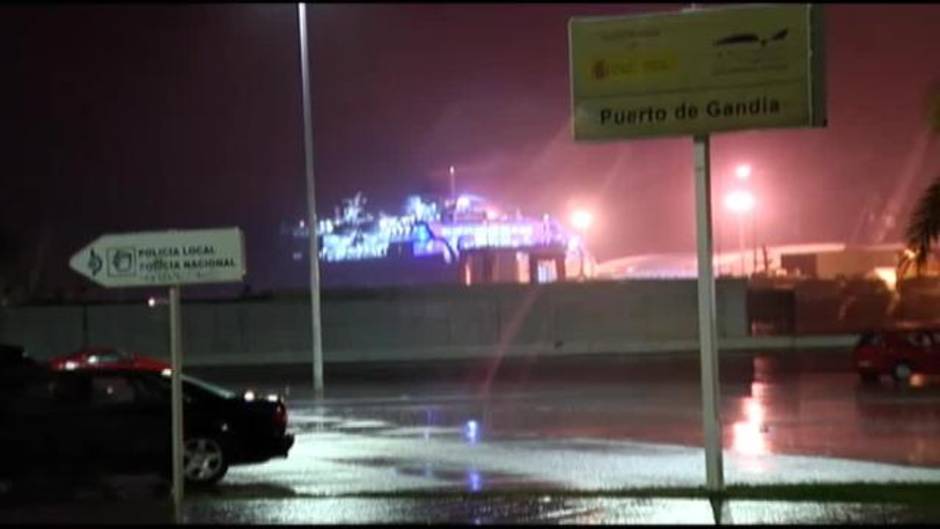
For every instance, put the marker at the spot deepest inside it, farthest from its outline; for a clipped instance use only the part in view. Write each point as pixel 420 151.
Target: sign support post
pixel 707 326
pixel 694 73
pixel 176 385
pixel 168 258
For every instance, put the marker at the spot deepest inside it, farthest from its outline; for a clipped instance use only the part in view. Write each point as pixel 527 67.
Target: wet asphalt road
pixel 581 426
pixel 796 403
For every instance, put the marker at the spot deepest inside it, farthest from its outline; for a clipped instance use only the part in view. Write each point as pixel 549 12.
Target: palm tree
pixel 924 226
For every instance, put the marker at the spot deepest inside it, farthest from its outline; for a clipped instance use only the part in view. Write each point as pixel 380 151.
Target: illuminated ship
pixel 467 240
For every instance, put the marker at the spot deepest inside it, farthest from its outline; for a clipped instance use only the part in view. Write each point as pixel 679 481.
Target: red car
pixel 899 353
pixel 106 358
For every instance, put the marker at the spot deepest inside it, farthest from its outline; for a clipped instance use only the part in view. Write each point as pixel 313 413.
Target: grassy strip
pixel 904 493
pixel 910 493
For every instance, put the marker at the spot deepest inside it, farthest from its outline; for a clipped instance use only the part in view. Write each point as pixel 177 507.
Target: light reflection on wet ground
pixel 545 509
pixel 780 410
pixel 641 431
pixel 644 432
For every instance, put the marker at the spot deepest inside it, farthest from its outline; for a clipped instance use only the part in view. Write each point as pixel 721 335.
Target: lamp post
pixel 740 202
pixel 581 220
pixel 317 340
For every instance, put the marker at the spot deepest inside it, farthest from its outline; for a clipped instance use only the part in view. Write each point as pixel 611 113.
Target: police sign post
pixel 696 72
pixel 173 259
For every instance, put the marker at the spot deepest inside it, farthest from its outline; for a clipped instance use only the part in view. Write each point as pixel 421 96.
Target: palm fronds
pixel 924 227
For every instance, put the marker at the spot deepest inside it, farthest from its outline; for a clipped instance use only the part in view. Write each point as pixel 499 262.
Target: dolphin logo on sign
pixel 94 262
pixel 746 38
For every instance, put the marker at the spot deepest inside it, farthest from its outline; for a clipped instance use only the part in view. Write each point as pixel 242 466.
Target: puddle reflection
pixel 474 481
pixel 471 432
pixel 783 406
pixel 749 434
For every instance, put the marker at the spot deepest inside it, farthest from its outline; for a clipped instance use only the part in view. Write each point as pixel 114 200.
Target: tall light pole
pixel 740 202
pixel 743 173
pixel 311 206
pixel 453 183
pixel 582 220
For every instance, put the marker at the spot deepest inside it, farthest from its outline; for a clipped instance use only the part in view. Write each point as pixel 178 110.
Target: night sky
pixel 125 118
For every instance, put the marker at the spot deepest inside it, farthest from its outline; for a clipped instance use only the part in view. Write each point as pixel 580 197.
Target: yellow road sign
pixel 696 71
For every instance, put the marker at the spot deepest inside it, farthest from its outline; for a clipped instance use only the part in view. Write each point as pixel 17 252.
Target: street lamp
pixel 743 171
pixel 314 252
pixel 582 220
pixel 740 202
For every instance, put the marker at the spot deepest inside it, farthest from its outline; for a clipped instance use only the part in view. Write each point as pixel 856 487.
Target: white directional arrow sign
pixel 163 258
pixel 166 258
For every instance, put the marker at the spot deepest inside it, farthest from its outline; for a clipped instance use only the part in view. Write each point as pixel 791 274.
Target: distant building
pixel 818 260
pixel 848 262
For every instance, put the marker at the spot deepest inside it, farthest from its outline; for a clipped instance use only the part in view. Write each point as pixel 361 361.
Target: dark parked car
pixel 16 370
pixel 99 421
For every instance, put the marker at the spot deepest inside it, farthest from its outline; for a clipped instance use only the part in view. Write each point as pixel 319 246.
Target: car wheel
pixel 204 461
pixel 902 372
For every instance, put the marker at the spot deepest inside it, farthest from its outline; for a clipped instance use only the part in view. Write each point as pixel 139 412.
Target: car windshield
pixel 113 355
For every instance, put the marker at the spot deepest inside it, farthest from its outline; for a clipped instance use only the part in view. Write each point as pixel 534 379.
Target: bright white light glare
pixel 70 365
pixel 754 411
pixel 166 372
pixel 272 398
pixel 93 359
pixel 581 219
pixel 463 202
pixel 249 396
pixel 743 171
pixel 151 302
pixel 471 431
pixel 748 439
pixel 740 201
pixel 475 482
pixel 888 274
pixel 748 435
